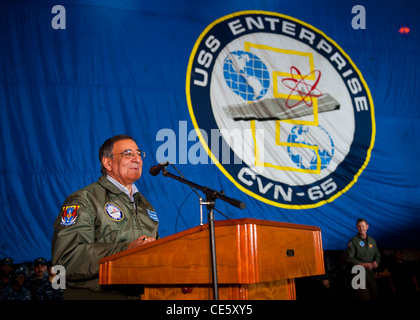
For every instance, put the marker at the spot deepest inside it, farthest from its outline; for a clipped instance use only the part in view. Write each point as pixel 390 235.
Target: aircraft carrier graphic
pixel 277 109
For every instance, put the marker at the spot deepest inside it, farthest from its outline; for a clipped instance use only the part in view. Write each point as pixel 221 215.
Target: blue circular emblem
pixel 289 103
pixel 246 75
pixel 301 135
pixel 114 212
pixel 361 243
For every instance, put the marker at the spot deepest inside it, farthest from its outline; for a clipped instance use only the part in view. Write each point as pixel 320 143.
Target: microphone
pixel 155 170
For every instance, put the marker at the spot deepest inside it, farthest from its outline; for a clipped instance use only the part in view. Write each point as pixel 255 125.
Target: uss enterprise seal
pixel 288 101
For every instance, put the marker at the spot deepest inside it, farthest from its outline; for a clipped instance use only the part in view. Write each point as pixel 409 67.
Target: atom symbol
pixel 305 91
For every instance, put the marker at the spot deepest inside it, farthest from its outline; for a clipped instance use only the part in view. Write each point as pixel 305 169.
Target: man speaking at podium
pixel 102 219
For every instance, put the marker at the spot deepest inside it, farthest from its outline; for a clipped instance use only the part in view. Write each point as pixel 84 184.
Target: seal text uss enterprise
pixel 241 25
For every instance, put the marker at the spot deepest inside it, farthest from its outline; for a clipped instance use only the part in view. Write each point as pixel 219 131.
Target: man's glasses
pixel 130 154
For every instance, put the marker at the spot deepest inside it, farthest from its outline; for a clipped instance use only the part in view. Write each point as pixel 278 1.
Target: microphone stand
pixel 211 196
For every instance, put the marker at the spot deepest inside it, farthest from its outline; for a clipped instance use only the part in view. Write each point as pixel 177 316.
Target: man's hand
pixel 367 265
pixel 140 241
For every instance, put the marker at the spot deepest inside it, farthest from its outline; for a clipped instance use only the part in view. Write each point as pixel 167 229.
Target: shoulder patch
pixel 152 215
pixel 69 215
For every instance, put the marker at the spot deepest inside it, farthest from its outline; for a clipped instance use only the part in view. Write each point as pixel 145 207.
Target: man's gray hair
pixel 108 146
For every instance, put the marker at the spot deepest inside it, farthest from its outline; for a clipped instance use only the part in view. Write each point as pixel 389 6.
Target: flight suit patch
pixel 114 212
pixel 69 215
pixel 152 215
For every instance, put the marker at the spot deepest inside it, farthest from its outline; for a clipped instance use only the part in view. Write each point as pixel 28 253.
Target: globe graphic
pixel 306 158
pixel 246 75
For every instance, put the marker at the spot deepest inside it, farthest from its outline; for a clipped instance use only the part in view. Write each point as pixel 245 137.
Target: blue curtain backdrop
pixel 120 67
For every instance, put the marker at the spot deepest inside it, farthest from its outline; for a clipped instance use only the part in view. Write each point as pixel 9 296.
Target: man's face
pixel 362 228
pixel 39 270
pixel 125 171
pixel 6 269
pixel 20 279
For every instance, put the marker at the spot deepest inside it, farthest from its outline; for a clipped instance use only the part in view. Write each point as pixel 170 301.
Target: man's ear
pixel 106 162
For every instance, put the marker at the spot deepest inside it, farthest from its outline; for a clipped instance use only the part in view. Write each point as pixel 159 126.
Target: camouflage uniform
pixel 4 284
pixel 16 291
pixel 11 294
pixel 40 289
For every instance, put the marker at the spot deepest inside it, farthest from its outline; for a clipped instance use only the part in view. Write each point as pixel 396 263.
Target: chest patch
pixel 114 212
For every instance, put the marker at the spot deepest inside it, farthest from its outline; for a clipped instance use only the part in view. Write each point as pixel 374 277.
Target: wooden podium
pixel 256 259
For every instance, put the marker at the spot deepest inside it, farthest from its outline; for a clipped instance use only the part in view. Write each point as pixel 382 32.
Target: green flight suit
pixel 364 250
pixel 97 221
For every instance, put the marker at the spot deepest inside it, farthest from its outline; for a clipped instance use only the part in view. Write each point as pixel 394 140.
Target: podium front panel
pixel 248 251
